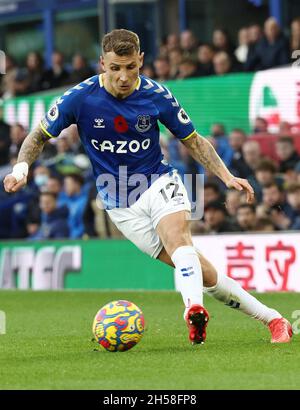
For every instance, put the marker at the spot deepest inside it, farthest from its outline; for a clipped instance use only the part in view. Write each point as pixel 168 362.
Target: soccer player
pixel 117 115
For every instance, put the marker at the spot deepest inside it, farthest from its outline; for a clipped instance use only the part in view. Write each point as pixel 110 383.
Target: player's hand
pixel 242 185
pixel 11 185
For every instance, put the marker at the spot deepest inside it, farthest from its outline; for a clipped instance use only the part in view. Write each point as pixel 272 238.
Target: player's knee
pixel 177 239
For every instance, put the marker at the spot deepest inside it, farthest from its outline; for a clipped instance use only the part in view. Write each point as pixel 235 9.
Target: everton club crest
pixel 143 123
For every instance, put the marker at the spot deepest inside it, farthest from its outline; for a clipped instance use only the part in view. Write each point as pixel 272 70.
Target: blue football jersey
pixel 120 136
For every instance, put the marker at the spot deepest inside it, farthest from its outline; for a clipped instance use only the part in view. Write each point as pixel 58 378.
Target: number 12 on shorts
pixel 170 188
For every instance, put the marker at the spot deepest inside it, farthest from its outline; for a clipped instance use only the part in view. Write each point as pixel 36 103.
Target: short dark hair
pixel 273 184
pixel 240 131
pixel 163 59
pixel 247 206
pixel 212 185
pixel 208 45
pixel 47 193
pixel 76 177
pixel 122 42
pixel 287 140
pixel 189 61
pixel 56 178
pixel 216 206
pixel 262 223
pixel 261 119
pixel 220 125
pixel 19 125
pixel 266 165
pixel 293 188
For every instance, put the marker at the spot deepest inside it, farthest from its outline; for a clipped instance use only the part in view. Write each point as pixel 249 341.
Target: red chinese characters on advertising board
pixel 279 259
pixel 240 264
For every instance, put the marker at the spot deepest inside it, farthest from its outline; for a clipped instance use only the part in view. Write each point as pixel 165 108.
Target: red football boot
pixel 196 319
pixel 281 330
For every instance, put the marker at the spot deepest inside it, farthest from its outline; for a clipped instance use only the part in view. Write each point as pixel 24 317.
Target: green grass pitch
pixel 48 345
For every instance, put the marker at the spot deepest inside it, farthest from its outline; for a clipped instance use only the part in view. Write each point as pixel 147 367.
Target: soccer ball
pixel 118 326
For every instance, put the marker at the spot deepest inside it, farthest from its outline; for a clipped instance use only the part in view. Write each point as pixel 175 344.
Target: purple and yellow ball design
pixel 118 326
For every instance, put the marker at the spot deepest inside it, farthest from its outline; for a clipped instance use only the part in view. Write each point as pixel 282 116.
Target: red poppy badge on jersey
pixel 120 124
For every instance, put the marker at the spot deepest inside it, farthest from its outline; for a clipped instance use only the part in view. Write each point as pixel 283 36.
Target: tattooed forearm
pixel 202 151
pixel 32 146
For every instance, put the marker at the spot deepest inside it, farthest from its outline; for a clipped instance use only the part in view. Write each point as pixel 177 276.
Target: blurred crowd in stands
pixel 34 77
pixel 180 56
pixel 256 48
pixel 60 198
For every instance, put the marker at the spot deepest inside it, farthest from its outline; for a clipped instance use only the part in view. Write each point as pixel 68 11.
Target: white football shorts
pixel 165 196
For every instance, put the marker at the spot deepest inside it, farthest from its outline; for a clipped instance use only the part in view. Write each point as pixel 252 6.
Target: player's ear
pixel 102 63
pixel 141 58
